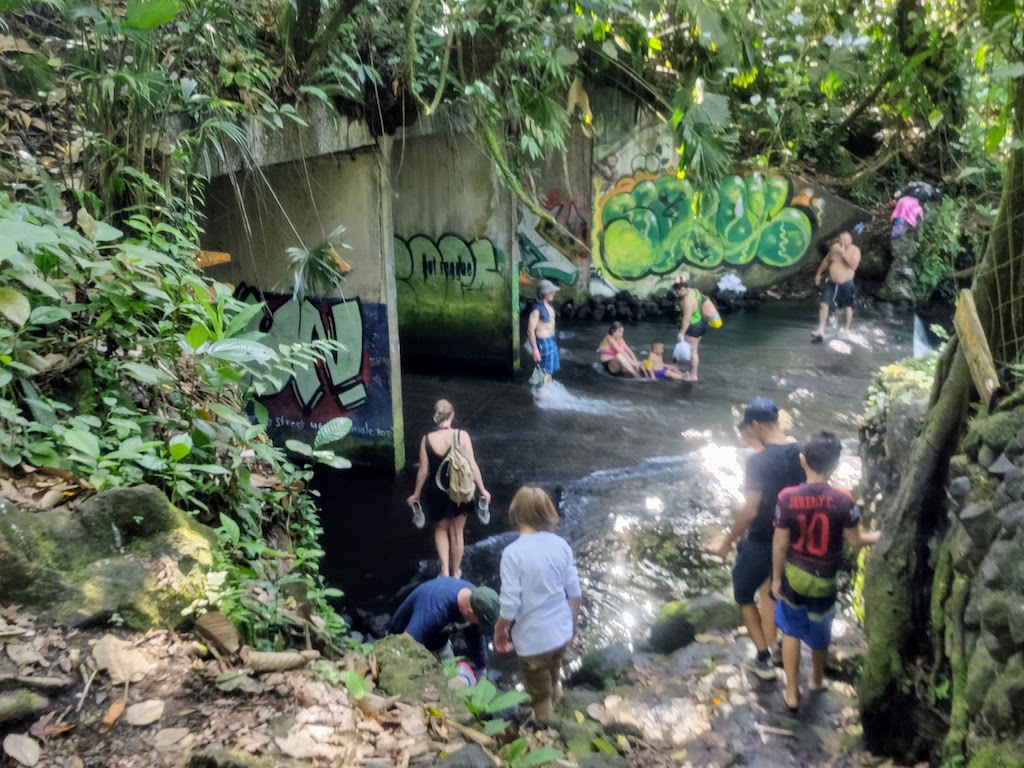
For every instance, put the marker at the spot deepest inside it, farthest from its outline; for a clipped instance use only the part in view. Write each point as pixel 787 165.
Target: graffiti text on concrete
pixel 450 259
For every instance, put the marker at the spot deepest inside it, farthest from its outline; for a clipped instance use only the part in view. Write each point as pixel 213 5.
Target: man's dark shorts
pixel 696 330
pixel 753 568
pixel 838 295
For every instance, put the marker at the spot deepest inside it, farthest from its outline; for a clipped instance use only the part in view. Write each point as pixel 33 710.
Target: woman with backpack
pixel 445 483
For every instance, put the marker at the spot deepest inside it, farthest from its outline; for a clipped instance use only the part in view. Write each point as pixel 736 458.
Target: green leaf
pixel 603 745
pixel 150 14
pixel 147 374
pixel 994 137
pixel 332 460
pixel 197 336
pixel 14 306
pixel 241 351
pixel 48 314
pixel 234 533
pixel 179 446
pixel 299 447
pixel 83 442
pixel 494 727
pixel 36 283
pixel 106 233
pixel 934 118
pixel 242 319
pixel 237 681
pixel 507 700
pixel 332 432
pixel 356 685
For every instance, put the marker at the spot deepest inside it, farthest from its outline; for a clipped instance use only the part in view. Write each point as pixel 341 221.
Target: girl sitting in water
pixel 540 599
pixel 616 356
pixel 656 366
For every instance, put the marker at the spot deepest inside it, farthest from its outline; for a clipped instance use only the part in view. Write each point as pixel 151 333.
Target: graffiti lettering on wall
pixel 339 385
pixel 554 251
pixel 451 260
pixel 653 225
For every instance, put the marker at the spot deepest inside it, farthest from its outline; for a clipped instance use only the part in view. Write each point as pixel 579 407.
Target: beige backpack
pixel 455 467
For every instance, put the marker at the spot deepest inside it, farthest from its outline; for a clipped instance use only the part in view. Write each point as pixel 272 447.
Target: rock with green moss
pixel 679 622
pixel 981 673
pixel 126 551
pixel 1007 755
pixel 1002 713
pixel 410 671
pixel 20 703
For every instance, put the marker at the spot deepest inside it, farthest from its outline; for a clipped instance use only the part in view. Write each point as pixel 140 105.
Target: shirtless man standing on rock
pixel 838 289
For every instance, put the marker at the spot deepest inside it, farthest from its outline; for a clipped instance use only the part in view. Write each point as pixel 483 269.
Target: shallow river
pixel 644 473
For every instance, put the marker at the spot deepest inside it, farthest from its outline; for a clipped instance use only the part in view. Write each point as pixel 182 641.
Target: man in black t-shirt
pixel 768 471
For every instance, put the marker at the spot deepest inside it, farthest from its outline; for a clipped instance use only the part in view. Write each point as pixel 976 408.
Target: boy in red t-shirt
pixel 811 521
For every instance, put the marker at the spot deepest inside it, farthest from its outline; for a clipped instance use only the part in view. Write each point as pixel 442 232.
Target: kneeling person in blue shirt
pixel 437 607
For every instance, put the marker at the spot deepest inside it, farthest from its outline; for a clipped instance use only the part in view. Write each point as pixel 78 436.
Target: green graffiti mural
pixel 657 225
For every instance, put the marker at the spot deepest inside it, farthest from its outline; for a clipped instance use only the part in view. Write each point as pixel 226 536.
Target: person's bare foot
pixel 817 687
pixel 792 702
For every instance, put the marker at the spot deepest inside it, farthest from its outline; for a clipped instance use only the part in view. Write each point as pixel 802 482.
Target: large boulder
pixel 410 671
pixel 127 551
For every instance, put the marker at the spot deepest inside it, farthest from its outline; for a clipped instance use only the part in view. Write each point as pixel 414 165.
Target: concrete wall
pixel 560 251
pixel 256 216
pixel 454 236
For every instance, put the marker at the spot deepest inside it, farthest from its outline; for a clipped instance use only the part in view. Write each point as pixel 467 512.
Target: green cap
pixel 486 605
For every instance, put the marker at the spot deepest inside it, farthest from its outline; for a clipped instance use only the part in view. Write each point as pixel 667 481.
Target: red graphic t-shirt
pixel 816 515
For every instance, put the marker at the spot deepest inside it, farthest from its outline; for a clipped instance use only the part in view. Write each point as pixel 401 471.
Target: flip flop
pixel 817 338
pixel 794 710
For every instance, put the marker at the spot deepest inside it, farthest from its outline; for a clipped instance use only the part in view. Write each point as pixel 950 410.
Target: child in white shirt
pixel 540 598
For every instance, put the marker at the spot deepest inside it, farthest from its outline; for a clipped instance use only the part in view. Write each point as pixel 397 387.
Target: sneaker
pixel 483 510
pixel 417 515
pixel 763 668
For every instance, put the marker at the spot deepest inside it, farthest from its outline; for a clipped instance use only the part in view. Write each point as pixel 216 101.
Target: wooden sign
pixel 211 258
pixel 975 344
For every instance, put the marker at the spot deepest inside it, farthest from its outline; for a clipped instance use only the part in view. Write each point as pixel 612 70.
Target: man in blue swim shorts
pixel 540 330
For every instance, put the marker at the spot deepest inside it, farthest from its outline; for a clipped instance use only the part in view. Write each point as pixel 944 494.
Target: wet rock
pixel 1011 489
pixel 604 666
pixel 960 489
pixel 378 624
pixel 1015 620
pixel 986 456
pixel 679 622
pixel 1002 465
pixel 1011 517
pixel 221 758
pixel 127 550
pixel 981 672
pixel 470 756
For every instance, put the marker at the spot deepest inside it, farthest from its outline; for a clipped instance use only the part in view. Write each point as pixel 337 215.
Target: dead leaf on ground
pixel 23 749
pixel 122 662
pixel 110 716
pixel 168 737
pixel 24 654
pixel 145 712
pixel 217 629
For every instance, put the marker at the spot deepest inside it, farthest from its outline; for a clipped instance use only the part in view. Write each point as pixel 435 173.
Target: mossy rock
pixel 1000 756
pixel 602 667
pixel 981 673
pixel 680 621
pixel 996 430
pixel 410 671
pixel 1001 713
pixel 127 551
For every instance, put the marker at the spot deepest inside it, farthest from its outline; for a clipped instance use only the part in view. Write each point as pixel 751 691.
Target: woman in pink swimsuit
pixel 616 356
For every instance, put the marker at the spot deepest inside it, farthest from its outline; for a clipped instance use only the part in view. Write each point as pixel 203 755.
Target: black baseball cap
pixel 760 410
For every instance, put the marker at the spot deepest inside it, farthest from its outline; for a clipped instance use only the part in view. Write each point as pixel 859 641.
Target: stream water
pixel 644 473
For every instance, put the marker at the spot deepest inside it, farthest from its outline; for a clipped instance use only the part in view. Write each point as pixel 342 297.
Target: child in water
pixel 656 366
pixel 540 599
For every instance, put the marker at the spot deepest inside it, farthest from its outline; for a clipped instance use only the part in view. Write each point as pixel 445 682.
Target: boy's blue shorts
pixel 796 622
